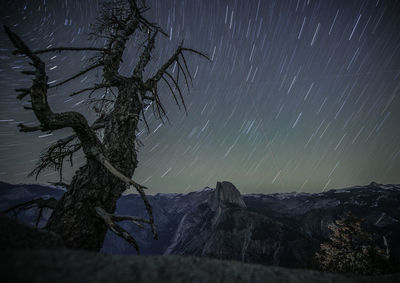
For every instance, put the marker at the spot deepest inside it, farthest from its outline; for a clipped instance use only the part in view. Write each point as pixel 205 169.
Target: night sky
pixel 300 96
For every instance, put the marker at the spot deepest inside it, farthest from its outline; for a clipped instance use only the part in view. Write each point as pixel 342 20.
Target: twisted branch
pixel 49 120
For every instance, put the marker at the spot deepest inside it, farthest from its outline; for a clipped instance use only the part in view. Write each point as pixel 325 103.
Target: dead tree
pixel 85 212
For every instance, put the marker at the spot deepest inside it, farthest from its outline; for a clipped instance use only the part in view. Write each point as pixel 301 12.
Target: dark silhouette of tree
pixel 85 212
pixel 352 249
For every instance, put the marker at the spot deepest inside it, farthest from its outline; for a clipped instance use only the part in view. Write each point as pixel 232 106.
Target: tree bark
pixel 75 218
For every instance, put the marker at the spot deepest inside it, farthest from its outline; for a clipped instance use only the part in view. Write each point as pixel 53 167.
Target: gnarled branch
pixel 49 120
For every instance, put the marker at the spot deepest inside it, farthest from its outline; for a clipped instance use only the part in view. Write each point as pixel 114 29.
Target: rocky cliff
pixel 225 194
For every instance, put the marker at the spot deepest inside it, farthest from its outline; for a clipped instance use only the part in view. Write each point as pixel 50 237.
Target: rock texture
pixel 274 229
pixel 225 194
pixel 224 228
pixel 77 266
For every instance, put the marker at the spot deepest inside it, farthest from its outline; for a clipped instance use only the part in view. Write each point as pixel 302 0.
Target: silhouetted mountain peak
pixel 225 193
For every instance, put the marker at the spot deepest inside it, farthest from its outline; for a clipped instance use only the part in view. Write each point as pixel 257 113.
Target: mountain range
pixel 284 229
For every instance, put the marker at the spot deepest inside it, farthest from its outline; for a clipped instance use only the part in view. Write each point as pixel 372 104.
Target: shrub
pixel 352 249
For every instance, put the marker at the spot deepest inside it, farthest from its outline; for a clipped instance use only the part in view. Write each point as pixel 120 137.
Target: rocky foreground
pixel 32 255
pixel 64 266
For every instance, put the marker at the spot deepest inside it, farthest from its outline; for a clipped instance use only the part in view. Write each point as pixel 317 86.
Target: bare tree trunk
pixel 75 218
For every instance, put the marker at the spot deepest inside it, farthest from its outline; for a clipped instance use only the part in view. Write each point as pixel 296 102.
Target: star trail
pixel 300 95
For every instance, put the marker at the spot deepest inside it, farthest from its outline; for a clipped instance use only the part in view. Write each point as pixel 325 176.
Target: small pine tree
pixel 352 250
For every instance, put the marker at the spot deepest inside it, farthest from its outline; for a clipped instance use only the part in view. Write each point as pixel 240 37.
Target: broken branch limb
pixel 24 92
pixel 149 212
pixel 117 218
pixel 32 73
pixel 101 158
pixel 27 129
pixel 115 228
pixel 23 49
pixel 196 52
pixel 59 49
pixel 78 74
